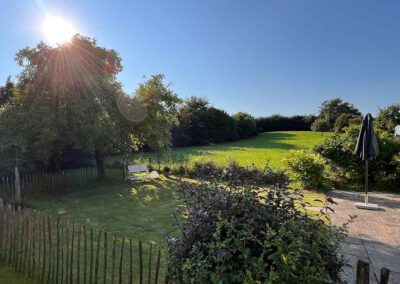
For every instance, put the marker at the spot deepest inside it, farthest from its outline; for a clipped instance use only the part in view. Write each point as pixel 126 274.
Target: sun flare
pixel 57 30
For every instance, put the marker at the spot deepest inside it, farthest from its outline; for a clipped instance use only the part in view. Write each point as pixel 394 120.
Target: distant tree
pixel 193 121
pixel 246 125
pixel 221 126
pixel 279 122
pixel 388 117
pixel 321 125
pixel 331 110
pixel 344 120
pixel 161 105
pixel 6 92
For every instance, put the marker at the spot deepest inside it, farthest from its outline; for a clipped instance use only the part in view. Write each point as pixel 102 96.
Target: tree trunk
pixel 101 165
pixel 17 186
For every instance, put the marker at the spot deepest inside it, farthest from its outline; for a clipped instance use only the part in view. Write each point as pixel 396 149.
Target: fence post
pixel 17 186
pixel 2 231
pixel 384 276
pixel 362 272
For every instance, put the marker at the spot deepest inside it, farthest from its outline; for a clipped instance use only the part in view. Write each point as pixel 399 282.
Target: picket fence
pixel 55 250
pixel 45 182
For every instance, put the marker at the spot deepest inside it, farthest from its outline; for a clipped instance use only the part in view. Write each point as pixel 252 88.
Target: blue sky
pixel 261 57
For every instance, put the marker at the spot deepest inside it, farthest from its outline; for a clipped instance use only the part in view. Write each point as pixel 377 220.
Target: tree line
pixel 67 108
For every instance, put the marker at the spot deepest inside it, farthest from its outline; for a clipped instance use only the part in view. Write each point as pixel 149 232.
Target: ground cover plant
pixel 235 233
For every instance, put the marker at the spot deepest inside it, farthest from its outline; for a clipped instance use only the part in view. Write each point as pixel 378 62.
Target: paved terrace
pixel 374 236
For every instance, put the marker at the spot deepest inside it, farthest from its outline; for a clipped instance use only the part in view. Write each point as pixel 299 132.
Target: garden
pixel 234 201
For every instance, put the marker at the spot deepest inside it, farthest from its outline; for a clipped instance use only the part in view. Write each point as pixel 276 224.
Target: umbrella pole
pixel 366 182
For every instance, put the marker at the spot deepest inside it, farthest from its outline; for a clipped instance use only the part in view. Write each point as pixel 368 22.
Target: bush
pixel 305 170
pixel 235 234
pixel 338 151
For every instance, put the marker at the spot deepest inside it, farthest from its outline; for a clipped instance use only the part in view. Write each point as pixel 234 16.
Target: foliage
pixel 160 103
pixel 278 122
pixel 201 124
pixel 320 125
pixel 388 117
pixel 305 169
pixel 66 99
pixel 246 125
pixel 345 120
pixel 271 146
pixel 237 234
pixel 338 150
pixel 330 111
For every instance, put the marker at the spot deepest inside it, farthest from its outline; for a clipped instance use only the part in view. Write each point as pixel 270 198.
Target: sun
pixel 57 30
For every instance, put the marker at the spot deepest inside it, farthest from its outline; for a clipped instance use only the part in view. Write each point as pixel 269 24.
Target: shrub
pixel 338 151
pixel 246 125
pixel 305 169
pixel 235 234
pixel 208 170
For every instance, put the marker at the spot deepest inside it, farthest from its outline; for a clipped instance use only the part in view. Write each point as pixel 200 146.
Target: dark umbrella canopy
pixel 367 146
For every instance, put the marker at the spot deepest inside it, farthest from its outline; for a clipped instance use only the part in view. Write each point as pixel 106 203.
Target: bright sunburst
pixel 57 30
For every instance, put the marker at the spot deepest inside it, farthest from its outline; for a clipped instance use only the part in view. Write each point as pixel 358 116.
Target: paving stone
pixel 374 236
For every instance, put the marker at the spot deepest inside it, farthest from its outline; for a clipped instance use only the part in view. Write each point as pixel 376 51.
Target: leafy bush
pixel 345 119
pixel 305 170
pixel 338 150
pixel 240 234
pixel 208 170
pixel 245 124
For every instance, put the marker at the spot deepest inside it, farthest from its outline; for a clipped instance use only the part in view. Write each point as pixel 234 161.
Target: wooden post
pixel 140 262
pixel 71 262
pixel 113 260
pixel 62 253
pixel 130 262
pixel 50 249
pixel 385 273
pixel 362 272
pixel 78 258
pixel 2 229
pixel 58 250
pixel 105 259
pixel 44 249
pixel 91 257
pixel 17 186
pixel 84 255
pixel 96 269
pixel 150 257
pixel 120 261
pixel 158 267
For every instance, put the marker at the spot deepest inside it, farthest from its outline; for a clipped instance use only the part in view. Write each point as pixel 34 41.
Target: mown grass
pixel 9 276
pixel 269 146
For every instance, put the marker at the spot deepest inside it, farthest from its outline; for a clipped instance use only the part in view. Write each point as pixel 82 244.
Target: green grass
pixel 142 210
pixel 9 276
pixel 268 146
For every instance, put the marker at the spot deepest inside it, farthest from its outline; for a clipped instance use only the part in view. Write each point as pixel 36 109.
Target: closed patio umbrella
pixel 367 147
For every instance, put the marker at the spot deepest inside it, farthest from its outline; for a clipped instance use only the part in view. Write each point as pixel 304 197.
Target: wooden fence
pixel 52 250
pixel 49 183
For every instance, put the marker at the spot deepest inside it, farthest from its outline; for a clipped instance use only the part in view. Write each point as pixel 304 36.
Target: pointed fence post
pixel 17 186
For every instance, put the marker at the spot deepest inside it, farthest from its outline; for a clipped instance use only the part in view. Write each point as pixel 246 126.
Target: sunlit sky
pixel 262 57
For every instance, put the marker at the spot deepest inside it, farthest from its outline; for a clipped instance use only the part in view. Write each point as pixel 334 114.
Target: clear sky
pixel 261 57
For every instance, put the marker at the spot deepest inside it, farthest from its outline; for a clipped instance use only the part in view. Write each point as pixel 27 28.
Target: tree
pixel 221 126
pixel 161 105
pixel 246 125
pixel 320 125
pixel 344 120
pixel 332 109
pixel 388 117
pixel 67 99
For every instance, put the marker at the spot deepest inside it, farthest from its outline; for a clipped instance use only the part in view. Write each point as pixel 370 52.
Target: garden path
pixel 374 236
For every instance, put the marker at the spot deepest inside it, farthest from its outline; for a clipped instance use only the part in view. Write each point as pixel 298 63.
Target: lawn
pixel 9 276
pixel 268 146
pixel 143 210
